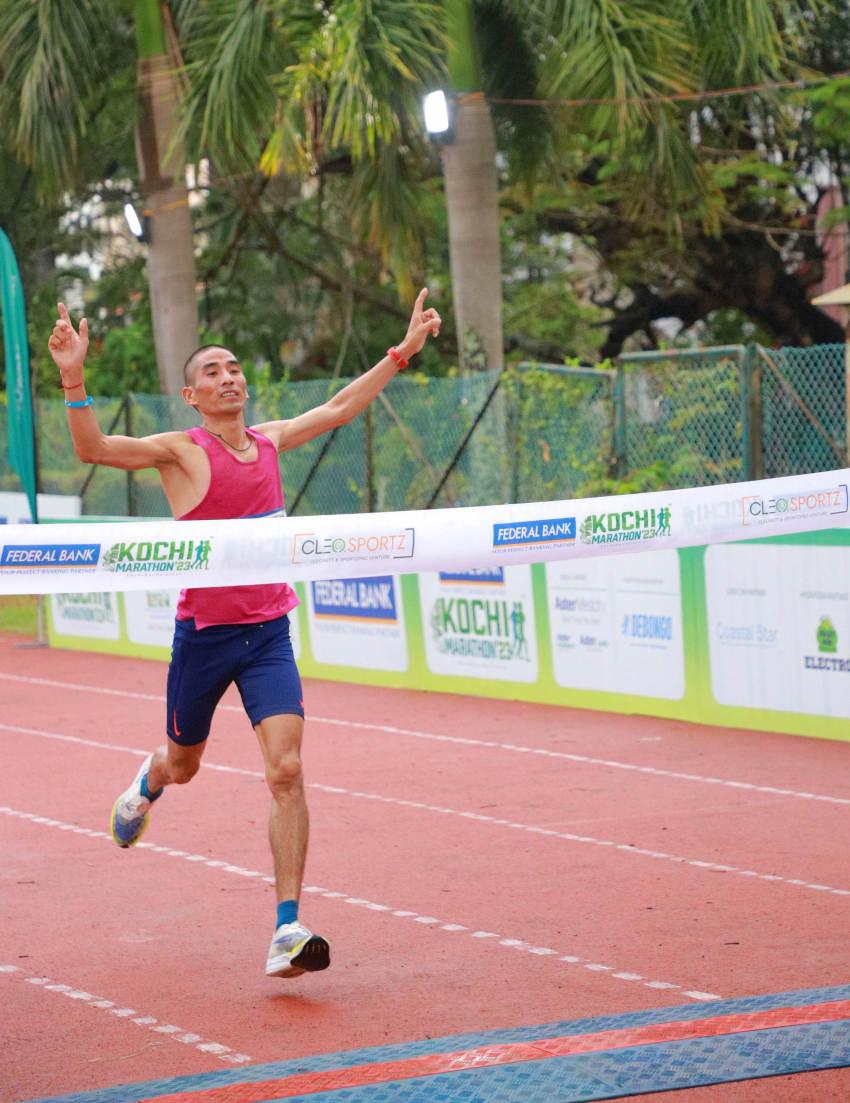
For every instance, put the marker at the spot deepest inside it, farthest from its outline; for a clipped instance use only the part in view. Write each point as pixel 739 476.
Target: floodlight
pixel 133 220
pixel 436 112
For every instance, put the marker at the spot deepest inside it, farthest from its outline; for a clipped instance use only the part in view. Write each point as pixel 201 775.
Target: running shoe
pixel 130 812
pixel 295 950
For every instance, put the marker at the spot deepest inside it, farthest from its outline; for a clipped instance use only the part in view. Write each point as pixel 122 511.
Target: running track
pixel 479 866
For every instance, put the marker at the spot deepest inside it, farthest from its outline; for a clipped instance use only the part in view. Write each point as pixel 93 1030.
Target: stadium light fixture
pixel 436 112
pixel 133 220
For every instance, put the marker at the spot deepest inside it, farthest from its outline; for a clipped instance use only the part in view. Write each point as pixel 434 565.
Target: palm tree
pixel 59 61
pixel 472 196
pixel 297 85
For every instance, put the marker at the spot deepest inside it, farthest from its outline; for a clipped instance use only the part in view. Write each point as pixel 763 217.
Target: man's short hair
pixel 189 367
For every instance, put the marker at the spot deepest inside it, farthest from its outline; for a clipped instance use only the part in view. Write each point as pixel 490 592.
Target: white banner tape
pixel 74 558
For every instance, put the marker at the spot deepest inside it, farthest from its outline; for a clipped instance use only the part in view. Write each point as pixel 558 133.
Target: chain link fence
pixel 532 433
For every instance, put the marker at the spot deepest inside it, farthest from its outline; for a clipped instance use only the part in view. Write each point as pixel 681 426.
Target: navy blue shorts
pixel 204 661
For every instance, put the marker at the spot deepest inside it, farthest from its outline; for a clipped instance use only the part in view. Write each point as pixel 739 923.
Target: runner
pixel 238 633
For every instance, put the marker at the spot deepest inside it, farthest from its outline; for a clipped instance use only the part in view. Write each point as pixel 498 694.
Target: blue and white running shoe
pixel 130 812
pixel 295 950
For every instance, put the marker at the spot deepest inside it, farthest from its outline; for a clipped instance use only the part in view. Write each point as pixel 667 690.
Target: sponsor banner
pixel 535 534
pixel 157 557
pixel 779 627
pixel 150 616
pixel 626 526
pixel 615 625
pixel 313 548
pixel 824 501
pixel 15 507
pixel 37 557
pixel 147 554
pixel 480 627
pixel 94 616
pixel 357 622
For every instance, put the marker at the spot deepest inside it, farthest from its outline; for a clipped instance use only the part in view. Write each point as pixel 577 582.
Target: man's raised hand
pixel 68 348
pixel 422 324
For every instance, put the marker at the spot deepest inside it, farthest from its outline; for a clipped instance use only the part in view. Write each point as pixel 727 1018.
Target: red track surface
pixel 184 943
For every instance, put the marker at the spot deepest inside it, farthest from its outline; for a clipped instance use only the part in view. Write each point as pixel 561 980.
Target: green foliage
pixel 325 99
pixel 56 57
pixel 18 615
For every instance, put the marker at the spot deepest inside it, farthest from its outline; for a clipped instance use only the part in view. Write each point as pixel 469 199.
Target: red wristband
pixel 394 354
pixel 70 386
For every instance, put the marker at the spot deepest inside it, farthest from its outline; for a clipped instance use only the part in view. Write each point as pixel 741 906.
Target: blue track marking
pixel 609 1074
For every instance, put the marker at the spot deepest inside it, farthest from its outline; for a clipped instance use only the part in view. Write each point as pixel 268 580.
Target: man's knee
pixel 285 774
pixel 182 770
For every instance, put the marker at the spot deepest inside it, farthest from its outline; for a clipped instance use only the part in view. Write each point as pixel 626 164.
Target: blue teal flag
pixel 21 446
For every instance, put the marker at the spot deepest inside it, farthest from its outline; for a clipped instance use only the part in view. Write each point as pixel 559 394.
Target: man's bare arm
pixel 128 453
pixel 353 399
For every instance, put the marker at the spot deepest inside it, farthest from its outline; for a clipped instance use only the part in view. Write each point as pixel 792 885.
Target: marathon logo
pixel 560 530
pixel 491 576
pixel 369 600
pixel 40 556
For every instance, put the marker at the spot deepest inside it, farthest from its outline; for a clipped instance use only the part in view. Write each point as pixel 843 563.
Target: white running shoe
pixel 130 812
pixel 295 950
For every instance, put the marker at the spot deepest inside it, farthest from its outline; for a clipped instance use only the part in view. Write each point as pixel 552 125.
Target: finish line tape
pixel 84 558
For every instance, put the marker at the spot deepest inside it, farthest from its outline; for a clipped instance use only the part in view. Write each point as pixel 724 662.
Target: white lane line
pixel 628 848
pixel 356 901
pixel 224 1053
pixel 587 760
pixel 713 867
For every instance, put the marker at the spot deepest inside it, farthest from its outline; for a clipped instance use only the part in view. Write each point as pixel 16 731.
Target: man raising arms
pixel 239 634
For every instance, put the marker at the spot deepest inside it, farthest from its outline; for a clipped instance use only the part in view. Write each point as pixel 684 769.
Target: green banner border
pixel 697 705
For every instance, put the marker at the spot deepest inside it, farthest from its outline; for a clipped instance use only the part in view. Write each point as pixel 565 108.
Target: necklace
pixel 227 442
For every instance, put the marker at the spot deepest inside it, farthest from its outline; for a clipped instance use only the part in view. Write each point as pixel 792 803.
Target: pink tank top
pixel 237 490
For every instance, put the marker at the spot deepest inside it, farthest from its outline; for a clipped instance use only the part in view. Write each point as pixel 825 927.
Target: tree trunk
pixel 472 196
pixel 171 256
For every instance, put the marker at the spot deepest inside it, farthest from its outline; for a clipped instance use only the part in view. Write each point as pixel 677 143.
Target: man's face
pixel 220 386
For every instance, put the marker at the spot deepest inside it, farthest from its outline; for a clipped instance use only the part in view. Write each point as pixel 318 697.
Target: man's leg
pixel 294 949
pixel 280 740
pixel 173 764
pixel 199 673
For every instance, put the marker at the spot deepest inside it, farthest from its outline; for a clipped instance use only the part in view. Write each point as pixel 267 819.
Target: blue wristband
pixel 78 405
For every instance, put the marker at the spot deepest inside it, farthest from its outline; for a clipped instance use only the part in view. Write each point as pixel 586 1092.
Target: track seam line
pixel 224 1053
pixel 714 867
pixel 517 748
pixel 425 920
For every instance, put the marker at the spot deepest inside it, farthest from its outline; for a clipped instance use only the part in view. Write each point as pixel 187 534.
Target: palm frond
pixel 56 56
pixel 381 57
pixel 234 50
pixel 510 65
pixel 747 41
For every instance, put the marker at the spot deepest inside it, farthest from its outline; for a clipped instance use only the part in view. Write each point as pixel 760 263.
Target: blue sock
pixel 147 794
pixel 287 912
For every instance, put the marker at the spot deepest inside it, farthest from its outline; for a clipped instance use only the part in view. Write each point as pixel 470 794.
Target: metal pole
pixel 744 368
pixel 444 478
pixel 39 601
pixel 313 471
pixel 620 421
pixel 755 418
pixel 847 394
pixel 370 460
pixel 516 415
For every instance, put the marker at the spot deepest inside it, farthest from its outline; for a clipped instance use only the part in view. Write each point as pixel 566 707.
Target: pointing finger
pixel 63 313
